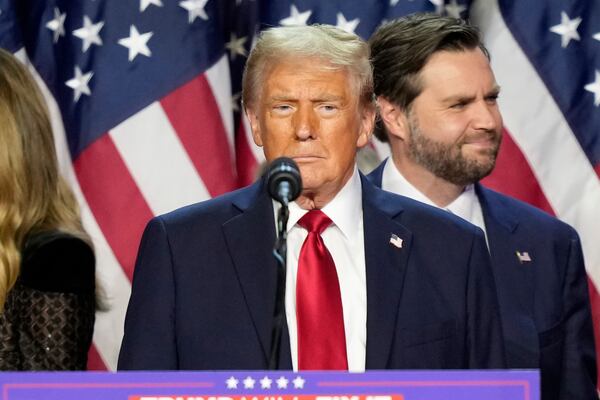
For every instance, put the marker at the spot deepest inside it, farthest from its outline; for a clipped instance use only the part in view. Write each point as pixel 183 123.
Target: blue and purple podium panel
pixel 272 385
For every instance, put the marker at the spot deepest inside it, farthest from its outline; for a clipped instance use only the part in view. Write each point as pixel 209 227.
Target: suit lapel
pixel 386 265
pixel 513 279
pixel 501 226
pixel 250 237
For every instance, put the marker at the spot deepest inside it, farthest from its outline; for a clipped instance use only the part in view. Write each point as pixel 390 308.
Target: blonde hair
pixel 340 49
pixel 33 195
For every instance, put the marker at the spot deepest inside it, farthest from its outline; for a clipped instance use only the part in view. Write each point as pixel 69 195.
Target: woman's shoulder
pixel 56 261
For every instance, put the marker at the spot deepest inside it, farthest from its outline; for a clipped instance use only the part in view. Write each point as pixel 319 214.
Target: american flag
pixel 145 100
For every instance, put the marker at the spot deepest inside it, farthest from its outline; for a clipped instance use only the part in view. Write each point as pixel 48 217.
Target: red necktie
pixel 321 337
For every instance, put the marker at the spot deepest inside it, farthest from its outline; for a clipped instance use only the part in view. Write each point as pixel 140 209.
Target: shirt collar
pixel 345 209
pixel 464 205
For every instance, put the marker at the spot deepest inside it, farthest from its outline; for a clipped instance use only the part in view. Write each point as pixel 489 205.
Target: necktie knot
pixel 315 221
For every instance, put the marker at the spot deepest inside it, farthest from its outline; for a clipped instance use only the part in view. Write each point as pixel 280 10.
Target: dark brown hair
pixel 401 48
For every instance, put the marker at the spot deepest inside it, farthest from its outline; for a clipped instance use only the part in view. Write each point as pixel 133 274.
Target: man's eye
pixel 458 106
pixel 328 108
pixel 282 109
pixel 492 99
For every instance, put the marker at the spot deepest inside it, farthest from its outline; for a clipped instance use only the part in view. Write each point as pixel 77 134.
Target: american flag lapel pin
pixel 523 256
pixel 395 241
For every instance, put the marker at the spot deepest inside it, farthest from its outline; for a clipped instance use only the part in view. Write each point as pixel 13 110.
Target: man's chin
pixel 482 156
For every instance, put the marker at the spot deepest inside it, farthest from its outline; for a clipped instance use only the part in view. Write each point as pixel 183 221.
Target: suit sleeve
pixel 485 342
pixel 149 341
pixel 578 379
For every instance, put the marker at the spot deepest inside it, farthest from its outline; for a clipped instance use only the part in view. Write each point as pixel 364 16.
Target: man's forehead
pixel 455 70
pixel 303 66
pixel 321 80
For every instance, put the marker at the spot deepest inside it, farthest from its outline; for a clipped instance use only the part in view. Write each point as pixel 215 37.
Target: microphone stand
pixel 280 253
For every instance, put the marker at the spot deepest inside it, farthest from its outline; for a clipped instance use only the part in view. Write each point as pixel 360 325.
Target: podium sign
pixel 272 385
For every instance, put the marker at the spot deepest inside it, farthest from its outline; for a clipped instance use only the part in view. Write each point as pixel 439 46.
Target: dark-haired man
pixel 437 100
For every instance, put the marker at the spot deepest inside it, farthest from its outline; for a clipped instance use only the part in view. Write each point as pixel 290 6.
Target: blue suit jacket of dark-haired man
pixel 205 279
pixel 542 292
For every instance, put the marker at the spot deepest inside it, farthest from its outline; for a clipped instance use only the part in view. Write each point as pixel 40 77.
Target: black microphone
pixel 284 184
pixel 284 180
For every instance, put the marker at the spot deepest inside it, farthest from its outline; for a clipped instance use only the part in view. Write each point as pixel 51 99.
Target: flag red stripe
pixel 246 163
pixel 114 199
pixel 597 169
pixel 195 116
pixel 513 176
pixel 95 362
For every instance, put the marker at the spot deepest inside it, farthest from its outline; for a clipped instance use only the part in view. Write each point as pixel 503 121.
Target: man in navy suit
pixel 437 101
pixel 415 284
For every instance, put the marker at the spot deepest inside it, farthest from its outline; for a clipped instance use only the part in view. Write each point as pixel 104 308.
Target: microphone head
pixel 283 180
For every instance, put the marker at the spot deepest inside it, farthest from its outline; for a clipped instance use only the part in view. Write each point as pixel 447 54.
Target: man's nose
pixel 486 116
pixel 305 123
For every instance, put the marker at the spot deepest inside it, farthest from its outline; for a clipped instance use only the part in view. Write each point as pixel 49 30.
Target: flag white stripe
pixel 540 130
pixel 115 290
pixel 158 161
pixel 219 80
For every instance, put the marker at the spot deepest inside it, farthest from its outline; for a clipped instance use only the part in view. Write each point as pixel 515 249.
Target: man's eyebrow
pixel 326 97
pixel 281 97
pixel 458 98
pixel 467 99
pixel 316 99
pixel 494 91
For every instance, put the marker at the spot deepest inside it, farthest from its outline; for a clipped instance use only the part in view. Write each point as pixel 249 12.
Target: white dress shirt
pixel 466 205
pixel 344 239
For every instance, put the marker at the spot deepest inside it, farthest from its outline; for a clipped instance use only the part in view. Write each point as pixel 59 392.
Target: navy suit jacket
pixel 544 302
pixel 204 288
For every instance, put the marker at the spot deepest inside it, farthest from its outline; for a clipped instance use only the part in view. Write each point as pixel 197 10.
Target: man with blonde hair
pixel 374 281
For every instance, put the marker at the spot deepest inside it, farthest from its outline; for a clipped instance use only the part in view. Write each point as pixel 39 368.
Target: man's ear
pixel 393 117
pixel 254 125
pixel 367 124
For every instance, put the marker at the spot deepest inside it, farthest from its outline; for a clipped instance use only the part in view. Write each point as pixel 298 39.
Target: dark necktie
pixel 321 337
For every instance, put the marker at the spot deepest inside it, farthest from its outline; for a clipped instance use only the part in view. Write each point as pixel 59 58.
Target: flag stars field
pixel 454 9
pixel 594 87
pixel 57 25
pixel 567 29
pixel 236 46
pixel 343 24
pixel 136 43
pixel 89 33
pixel 296 17
pixel 145 3
pixel 80 84
pixel 235 101
pixel 195 9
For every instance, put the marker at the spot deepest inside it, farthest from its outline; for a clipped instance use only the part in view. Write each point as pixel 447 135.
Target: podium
pixel 272 385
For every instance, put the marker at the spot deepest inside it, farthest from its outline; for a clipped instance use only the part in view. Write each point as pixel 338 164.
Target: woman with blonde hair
pixel 47 264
